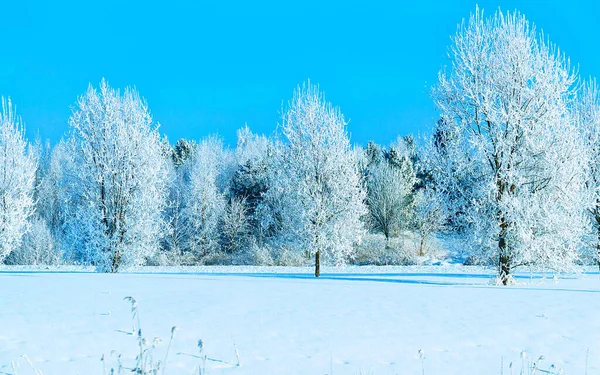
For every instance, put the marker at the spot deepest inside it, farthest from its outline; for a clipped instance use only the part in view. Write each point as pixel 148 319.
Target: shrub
pixel 37 248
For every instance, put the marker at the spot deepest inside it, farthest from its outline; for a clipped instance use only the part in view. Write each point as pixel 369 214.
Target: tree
pixel 183 151
pixel 250 181
pixel 234 225
pixel 120 179
pixel 315 179
pixel 509 133
pixel 428 216
pixel 39 244
pixel 17 176
pixel 390 195
pixel 204 202
pixel 588 111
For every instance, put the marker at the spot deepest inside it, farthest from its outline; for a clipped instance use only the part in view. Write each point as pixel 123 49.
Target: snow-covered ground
pixel 283 321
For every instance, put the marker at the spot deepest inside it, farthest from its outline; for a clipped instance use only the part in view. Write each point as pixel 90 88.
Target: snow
pixel 284 321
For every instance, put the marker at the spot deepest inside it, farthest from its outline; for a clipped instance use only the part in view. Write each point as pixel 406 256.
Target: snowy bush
pixel 261 255
pixel 172 258
pixel 37 248
pixel 290 257
pixel 377 250
pixel 402 250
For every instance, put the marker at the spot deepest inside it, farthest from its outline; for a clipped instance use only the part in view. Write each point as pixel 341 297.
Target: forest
pixel 511 170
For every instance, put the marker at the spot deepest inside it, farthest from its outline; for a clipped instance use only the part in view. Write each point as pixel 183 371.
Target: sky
pixel 209 67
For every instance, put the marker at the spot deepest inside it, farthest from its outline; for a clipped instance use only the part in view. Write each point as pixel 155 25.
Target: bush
pixel 261 255
pixel 37 248
pixel 402 250
pixel 291 258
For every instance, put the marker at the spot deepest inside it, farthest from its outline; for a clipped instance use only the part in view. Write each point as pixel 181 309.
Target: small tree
pixel 235 226
pixel 429 216
pixel 250 180
pixel 390 196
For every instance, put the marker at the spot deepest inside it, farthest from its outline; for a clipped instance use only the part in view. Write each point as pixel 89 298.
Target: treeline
pixel 114 193
pixel 511 167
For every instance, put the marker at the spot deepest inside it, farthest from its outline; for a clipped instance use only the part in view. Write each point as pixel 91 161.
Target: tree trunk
pixel 503 250
pixel 116 261
pixel 504 260
pixel 597 217
pixel 598 250
pixel 318 263
pixel 504 269
pixel 422 246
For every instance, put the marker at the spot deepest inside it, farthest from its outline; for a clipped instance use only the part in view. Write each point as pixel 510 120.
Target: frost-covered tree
pixel 406 146
pixel 40 245
pixel 120 180
pixel 428 216
pixel 588 111
pixel 250 146
pixel 204 203
pixel 174 238
pixel 509 134
pixel 17 177
pixel 175 235
pixel 234 225
pixel 183 151
pixel 315 179
pixel 390 195
pixel 374 154
pixel 57 194
pixel 250 181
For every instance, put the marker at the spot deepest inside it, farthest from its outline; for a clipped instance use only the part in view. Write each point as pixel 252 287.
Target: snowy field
pixel 283 321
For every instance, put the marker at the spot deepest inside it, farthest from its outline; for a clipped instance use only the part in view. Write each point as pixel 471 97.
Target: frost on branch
pixel 509 158
pixel 120 178
pixel 316 190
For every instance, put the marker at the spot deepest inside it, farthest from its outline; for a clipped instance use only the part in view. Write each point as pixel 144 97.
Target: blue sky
pixel 210 66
